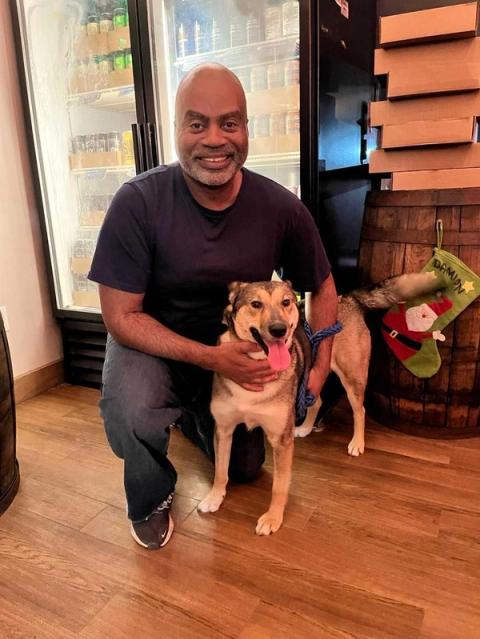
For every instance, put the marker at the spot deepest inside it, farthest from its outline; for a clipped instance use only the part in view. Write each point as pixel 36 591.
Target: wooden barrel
pixel 9 475
pixel 398 236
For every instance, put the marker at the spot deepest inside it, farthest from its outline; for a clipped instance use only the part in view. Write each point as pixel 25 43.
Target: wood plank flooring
pixel 386 546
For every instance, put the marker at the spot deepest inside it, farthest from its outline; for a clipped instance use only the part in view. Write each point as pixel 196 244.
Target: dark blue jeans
pixel 142 397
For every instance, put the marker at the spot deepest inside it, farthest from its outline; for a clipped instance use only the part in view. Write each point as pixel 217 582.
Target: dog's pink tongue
pixel 278 356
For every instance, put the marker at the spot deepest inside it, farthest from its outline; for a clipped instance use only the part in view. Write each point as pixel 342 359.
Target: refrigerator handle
pixel 138 147
pixel 149 132
pixel 152 151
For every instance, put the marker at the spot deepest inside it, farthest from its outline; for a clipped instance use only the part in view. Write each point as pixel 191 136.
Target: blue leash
pixel 304 398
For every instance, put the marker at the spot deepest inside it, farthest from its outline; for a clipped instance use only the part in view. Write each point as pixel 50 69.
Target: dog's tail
pixel 396 289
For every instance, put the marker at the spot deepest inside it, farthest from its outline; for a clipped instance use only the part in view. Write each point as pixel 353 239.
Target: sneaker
pixel 155 531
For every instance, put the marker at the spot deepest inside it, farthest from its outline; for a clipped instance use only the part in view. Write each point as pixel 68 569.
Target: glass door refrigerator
pixel 99 82
pixel 80 100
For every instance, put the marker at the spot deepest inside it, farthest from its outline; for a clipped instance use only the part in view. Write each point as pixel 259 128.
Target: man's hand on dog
pixel 232 361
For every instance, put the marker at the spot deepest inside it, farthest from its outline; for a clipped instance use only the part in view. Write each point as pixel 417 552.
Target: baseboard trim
pixel 37 381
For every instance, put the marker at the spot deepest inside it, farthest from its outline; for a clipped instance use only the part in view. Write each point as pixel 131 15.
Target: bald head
pixel 209 80
pixel 211 132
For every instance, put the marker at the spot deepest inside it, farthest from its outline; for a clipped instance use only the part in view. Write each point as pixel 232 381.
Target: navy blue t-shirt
pixel 157 240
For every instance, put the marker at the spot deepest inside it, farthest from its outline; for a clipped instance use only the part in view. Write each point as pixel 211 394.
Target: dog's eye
pixel 286 302
pixel 256 304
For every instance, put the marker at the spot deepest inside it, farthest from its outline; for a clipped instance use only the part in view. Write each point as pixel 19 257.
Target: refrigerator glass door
pixel 259 42
pixel 78 70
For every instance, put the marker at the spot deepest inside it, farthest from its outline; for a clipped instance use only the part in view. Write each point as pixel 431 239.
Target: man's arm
pixel 321 313
pixel 125 320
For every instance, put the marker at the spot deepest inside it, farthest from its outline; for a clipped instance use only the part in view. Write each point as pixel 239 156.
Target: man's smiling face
pixel 211 127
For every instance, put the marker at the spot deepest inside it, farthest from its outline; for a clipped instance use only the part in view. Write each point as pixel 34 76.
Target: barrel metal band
pixel 413 236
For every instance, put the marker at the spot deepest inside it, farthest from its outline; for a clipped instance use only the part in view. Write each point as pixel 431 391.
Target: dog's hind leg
pixel 355 389
pixel 223 447
pixel 307 426
pixel 282 446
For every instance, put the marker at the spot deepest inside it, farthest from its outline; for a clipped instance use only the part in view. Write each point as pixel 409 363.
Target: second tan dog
pixel 266 312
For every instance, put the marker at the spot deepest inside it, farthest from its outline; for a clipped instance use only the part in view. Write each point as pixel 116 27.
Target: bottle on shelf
pixel 102 142
pixel 218 34
pixel 273 21
pixel 93 73
pixel 120 14
pixel 127 148
pixel 253 29
pixel 238 31
pixel 278 123
pixel 202 33
pixel 78 144
pixel 128 58
pixel 105 67
pixel 243 75
pixel 199 37
pixel 275 75
pixel 293 122
pixel 292 72
pixel 79 77
pixel 290 17
pixel 115 141
pixel 90 143
pixel 93 19
pixel 258 78
pixel 262 126
pixel 119 61
pixel 182 41
pixel 105 22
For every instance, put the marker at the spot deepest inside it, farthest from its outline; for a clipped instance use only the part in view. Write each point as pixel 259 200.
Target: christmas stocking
pixel 411 329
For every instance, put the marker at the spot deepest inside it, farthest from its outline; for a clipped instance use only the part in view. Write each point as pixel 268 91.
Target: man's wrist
pixel 207 357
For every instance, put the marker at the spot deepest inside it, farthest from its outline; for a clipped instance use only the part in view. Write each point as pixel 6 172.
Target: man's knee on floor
pixel 246 472
pixel 247 456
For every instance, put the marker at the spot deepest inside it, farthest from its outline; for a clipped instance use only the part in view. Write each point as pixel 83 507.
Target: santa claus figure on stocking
pixel 406 329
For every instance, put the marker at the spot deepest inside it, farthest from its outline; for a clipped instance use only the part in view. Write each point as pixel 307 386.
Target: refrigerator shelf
pixel 274 159
pixel 243 54
pixel 116 98
pixel 124 168
pixel 85 301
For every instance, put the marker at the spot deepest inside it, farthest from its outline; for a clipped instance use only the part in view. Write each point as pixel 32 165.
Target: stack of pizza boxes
pixel 431 62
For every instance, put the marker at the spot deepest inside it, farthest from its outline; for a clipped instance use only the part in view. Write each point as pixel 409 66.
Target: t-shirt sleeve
pixel 123 255
pixel 304 260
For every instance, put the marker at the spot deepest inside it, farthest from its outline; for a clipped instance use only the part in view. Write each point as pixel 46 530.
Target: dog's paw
pixel 211 503
pixel 303 431
pixel 356 447
pixel 268 523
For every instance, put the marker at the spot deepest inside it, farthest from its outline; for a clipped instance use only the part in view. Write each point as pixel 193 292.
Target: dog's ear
pixel 298 300
pixel 233 290
pixel 290 286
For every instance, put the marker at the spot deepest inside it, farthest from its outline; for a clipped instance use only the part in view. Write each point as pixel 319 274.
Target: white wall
pixel 34 337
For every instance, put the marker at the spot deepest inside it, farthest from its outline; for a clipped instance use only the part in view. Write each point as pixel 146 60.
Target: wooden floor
pixel 385 546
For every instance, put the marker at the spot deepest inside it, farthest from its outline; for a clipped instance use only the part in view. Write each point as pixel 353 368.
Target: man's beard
pixel 214 178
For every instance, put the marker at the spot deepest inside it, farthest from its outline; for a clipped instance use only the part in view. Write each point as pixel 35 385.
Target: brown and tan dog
pixel 267 312
pixel 270 308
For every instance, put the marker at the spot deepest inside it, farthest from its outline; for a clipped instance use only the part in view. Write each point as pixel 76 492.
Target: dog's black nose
pixel 278 329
